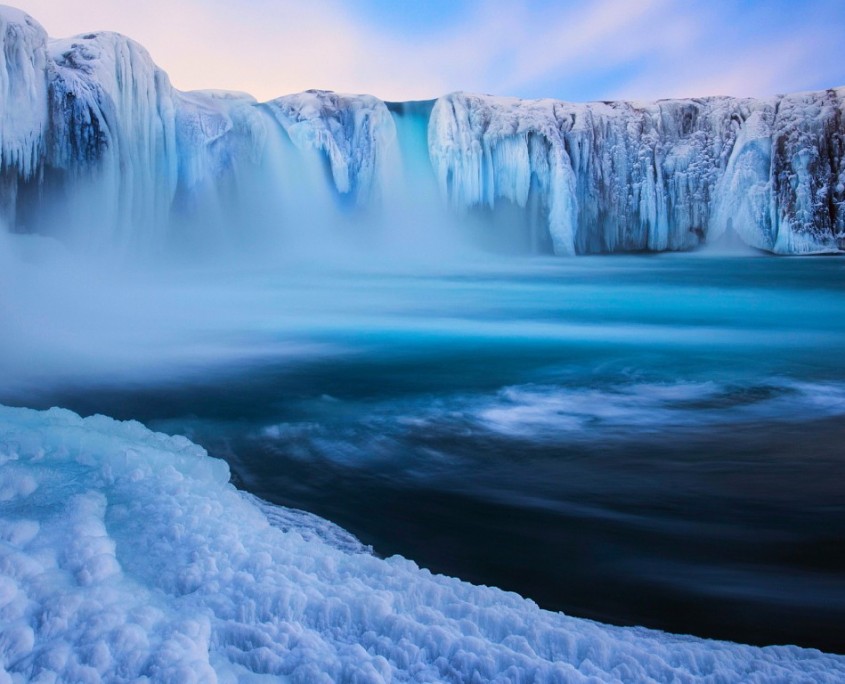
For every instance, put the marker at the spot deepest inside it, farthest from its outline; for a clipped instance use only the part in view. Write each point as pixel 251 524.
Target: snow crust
pixel 97 145
pixel 127 554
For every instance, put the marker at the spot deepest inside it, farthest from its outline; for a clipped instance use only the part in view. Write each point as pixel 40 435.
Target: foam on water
pixel 554 412
pixel 359 436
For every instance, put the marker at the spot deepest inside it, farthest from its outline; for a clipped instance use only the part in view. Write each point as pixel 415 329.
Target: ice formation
pixel 92 125
pixel 23 102
pixel 126 553
pixel 626 176
pixel 356 134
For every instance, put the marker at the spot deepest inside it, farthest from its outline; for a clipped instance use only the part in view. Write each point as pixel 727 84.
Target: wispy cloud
pixel 742 50
pixel 570 50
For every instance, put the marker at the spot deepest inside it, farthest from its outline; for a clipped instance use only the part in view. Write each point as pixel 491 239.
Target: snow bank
pixel 127 554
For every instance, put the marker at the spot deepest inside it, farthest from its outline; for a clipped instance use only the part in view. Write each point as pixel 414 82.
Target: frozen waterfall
pixel 97 147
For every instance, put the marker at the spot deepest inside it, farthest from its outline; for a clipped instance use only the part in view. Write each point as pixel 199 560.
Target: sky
pixel 578 51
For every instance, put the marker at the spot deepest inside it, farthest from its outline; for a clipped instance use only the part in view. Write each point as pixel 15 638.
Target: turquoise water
pixel 650 440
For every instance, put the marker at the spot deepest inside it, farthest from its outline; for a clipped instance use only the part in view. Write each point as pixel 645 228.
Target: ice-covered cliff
pixel 666 175
pixel 23 102
pixel 95 144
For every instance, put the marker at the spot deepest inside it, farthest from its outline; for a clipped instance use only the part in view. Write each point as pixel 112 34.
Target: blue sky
pixel 604 49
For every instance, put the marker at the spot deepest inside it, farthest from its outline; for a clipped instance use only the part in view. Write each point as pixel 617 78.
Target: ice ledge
pixel 126 553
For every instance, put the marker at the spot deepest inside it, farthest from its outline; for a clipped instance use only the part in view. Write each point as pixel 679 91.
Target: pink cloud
pixel 510 48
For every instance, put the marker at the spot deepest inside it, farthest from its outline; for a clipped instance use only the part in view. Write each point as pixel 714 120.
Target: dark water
pixel 640 440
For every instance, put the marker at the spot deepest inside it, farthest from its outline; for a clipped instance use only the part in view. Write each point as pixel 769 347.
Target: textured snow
pixel 126 553
pixel 94 126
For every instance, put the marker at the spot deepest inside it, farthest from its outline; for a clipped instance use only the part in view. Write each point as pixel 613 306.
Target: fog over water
pixel 638 439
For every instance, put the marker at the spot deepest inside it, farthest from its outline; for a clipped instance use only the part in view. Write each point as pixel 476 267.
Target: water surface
pixel 651 440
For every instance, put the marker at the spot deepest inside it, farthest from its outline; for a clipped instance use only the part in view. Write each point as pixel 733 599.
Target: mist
pixel 531 344
pixel 103 318
pixel 110 278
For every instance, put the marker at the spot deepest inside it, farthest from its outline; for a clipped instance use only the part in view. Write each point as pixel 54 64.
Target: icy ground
pixel 127 554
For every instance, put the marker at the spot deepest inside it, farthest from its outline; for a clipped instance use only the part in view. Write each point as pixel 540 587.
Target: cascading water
pixel 97 146
pixel 416 218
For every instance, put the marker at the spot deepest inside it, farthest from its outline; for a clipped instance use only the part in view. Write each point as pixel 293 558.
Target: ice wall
pixel 621 176
pixel 113 134
pixel 355 133
pixel 97 146
pixel 23 103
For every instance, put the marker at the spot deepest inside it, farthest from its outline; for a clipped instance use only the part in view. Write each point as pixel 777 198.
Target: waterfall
pixel 99 150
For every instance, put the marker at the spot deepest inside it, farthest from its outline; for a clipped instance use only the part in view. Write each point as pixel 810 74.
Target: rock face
pixel 96 144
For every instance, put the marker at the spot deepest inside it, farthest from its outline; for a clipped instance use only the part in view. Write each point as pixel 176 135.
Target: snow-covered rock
pixel 622 176
pixel 127 554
